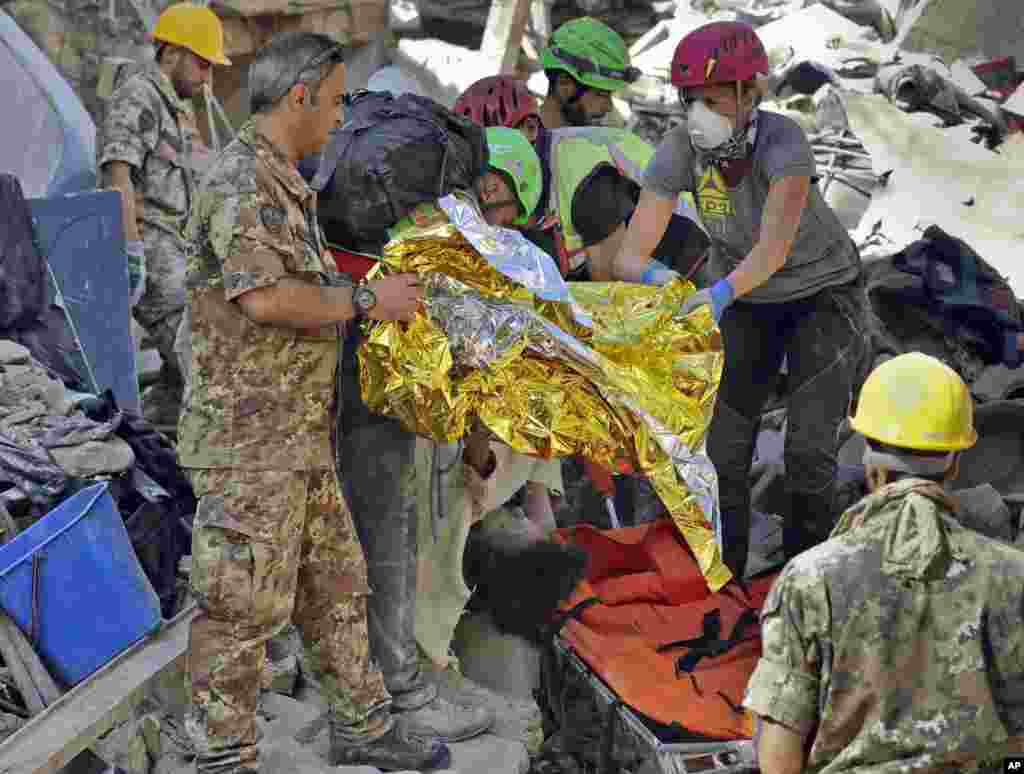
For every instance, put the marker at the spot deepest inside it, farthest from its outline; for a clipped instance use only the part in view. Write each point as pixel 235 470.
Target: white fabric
pixel 465 498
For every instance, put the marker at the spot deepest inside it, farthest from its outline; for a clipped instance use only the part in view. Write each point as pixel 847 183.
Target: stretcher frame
pixel 734 757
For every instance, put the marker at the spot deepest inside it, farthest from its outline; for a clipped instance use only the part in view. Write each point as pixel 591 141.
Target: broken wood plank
pixel 19 670
pixel 539 29
pixel 503 35
pixel 44 682
pixel 72 723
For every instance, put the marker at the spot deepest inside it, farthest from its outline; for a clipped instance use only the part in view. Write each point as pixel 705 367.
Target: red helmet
pixel 719 52
pixel 497 101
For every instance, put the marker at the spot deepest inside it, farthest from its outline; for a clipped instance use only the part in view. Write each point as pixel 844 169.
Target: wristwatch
pixel 363 300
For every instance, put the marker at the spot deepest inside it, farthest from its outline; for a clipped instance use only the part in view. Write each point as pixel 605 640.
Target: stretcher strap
pixel 575 612
pixel 710 643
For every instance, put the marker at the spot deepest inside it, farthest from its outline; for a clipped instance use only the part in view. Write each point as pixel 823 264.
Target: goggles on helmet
pixel 582 65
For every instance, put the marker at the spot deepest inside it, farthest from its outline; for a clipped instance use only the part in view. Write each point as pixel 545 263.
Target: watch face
pixel 364 299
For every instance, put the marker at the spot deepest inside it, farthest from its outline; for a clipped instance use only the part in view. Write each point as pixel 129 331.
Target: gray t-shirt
pixel 822 255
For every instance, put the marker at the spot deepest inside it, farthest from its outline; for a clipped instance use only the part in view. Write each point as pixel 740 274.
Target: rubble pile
pixel 45 442
pixel 630 18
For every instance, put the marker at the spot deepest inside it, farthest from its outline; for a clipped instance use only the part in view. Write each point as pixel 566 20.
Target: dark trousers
pixel 376 461
pixel 821 337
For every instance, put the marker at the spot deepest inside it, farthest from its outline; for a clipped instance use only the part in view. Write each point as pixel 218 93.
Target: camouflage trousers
pixel 160 308
pixel 269 547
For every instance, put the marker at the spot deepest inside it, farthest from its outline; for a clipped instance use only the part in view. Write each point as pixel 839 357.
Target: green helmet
pixel 512 154
pixel 592 53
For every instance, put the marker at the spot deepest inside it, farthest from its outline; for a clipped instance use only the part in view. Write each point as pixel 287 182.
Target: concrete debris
pixel 953 29
pixel 504 663
pixel 126 746
pixel 819 34
pixel 44 439
pixel 932 178
pixel 984 510
pixel 94 458
pixel 1015 104
pixel 13 353
pixel 9 724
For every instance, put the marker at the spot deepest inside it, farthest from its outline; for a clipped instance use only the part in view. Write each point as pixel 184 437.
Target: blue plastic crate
pixel 93 599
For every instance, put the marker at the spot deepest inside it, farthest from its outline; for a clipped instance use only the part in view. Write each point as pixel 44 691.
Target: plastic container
pixel 93 600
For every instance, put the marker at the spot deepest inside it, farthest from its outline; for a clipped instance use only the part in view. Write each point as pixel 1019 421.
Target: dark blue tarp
pixel 82 238
pixel 49 139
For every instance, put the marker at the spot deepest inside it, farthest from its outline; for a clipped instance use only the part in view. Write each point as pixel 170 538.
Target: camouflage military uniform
pixel 273 538
pixel 149 127
pixel 897 644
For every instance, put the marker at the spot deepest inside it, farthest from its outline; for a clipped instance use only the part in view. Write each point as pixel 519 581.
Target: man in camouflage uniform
pixel 273 539
pixel 896 645
pixel 148 148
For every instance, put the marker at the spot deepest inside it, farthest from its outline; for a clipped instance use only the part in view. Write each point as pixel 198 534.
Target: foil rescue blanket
pixel 608 371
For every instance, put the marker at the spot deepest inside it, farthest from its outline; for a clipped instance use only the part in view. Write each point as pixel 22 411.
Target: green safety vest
pixel 575 153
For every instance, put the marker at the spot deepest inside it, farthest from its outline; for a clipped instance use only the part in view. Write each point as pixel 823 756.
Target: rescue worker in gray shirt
pixel 788 277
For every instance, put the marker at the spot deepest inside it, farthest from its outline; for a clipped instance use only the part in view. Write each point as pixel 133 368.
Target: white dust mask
pixel 708 130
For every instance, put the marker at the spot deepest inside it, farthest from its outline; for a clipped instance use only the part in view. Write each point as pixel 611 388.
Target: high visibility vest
pixel 574 154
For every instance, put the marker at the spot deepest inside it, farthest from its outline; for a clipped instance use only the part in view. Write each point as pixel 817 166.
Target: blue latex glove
pixel 1012 355
pixel 718 297
pixel 657 273
pixel 136 255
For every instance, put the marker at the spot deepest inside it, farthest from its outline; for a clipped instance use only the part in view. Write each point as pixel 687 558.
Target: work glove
pixel 718 297
pixel 657 273
pixel 1012 354
pixel 136 253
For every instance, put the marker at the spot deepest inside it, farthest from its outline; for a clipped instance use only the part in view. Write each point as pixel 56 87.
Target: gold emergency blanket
pixel 604 370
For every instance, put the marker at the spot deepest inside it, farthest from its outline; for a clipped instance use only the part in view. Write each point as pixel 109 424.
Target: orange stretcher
pixel 644 623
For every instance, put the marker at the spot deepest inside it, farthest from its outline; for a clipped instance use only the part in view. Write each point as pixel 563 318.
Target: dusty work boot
pixel 233 761
pixel 445 721
pixel 396 750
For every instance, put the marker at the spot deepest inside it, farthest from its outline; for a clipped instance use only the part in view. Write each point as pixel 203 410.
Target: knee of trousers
pixel 241 583
pixel 730 444
pixel 810 455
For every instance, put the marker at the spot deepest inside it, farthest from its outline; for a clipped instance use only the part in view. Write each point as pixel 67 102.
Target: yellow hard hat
pixel 194 27
pixel 917 402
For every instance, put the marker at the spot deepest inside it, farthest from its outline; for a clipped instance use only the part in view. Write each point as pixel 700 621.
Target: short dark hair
pixel 553 80
pixel 602 202
pixel 289 59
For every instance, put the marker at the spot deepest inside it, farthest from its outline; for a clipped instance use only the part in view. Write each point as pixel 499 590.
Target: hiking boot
pixel 232 761
pixel 445 721
pixel 395 751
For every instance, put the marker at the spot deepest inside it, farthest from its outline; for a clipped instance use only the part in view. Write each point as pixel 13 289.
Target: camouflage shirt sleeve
pixel 784 686
pixel 131 129
pixel 252 256
pixel 1006 642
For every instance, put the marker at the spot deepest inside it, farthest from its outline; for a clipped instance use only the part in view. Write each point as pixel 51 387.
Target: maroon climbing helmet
pixel 719 52
pixel 497 101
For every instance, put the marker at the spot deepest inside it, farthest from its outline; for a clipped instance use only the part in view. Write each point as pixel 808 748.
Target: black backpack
pixel 392 154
